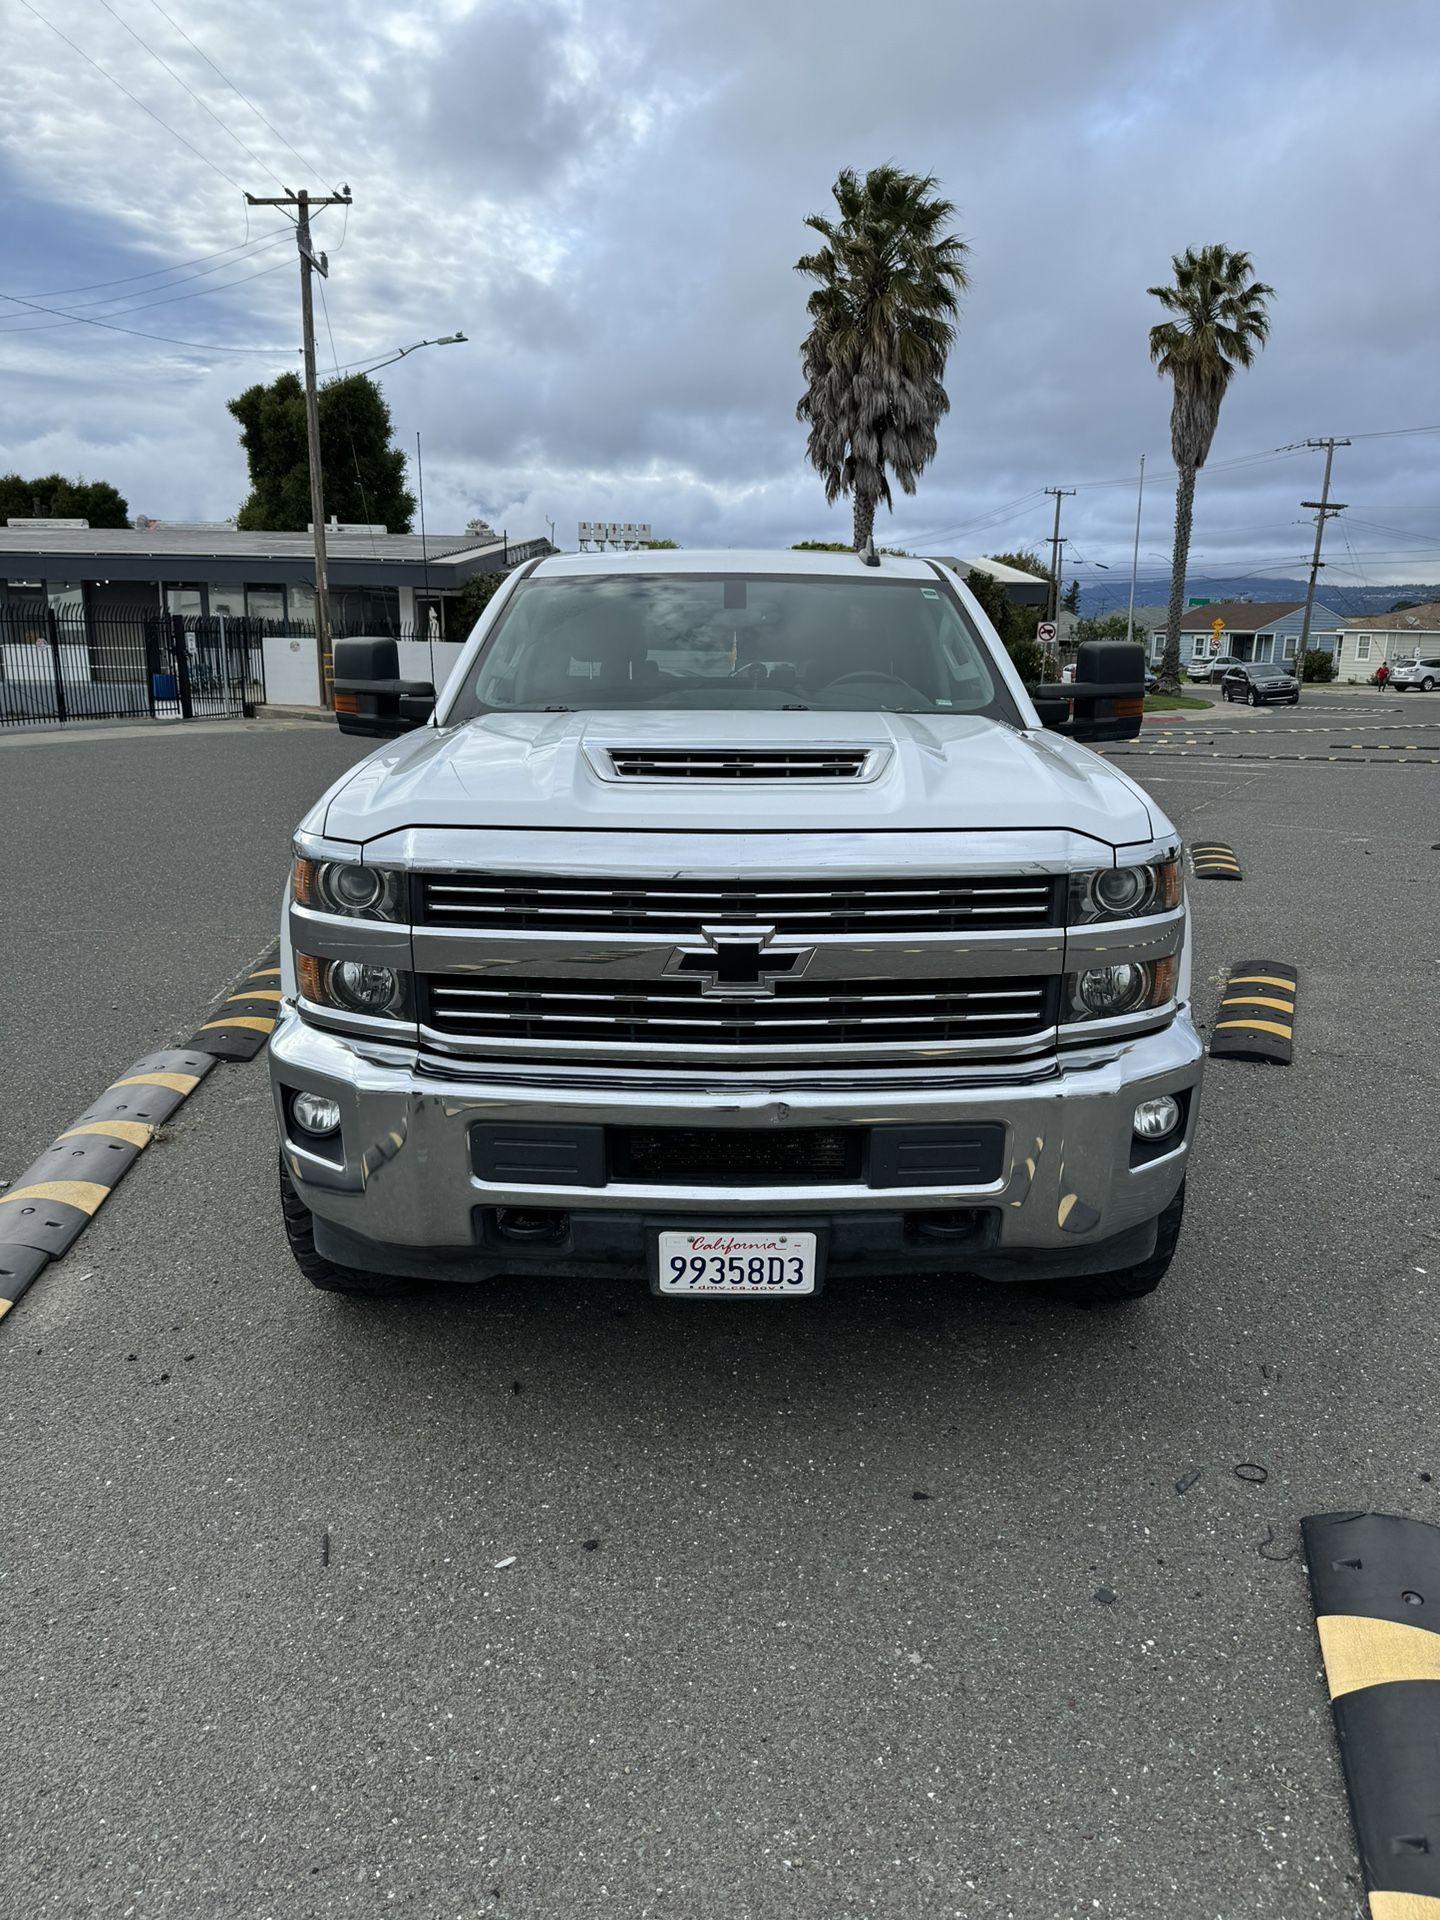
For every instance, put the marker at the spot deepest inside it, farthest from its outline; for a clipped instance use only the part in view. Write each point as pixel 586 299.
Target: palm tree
pixel 1220 323
pixel 881 324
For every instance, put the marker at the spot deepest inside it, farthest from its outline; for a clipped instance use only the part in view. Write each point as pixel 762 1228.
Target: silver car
pixel 1423 673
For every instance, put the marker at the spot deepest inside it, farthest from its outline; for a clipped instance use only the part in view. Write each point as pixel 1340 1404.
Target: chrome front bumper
pixel 403 1176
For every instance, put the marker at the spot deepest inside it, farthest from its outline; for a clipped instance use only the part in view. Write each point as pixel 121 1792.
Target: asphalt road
pixel 258 1659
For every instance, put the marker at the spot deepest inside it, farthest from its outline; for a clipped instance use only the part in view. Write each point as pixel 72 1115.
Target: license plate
pixel 753 1264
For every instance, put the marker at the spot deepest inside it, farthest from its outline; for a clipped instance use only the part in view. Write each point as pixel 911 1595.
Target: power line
pixel 345 418
pixel 108 300
pixel 91 286
pixel 308 165
pixel 71 318
pixel 162 61
pixel 199 346
pixel 214 167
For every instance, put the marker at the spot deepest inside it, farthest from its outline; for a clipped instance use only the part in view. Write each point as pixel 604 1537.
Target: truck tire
pixel 320 1272
pixel 1129 1283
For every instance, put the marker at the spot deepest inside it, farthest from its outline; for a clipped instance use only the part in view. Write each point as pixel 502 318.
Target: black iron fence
pixel 98 663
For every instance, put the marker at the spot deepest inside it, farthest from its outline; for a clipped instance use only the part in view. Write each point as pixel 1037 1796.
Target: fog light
pixel 1155 1118
pixel 314 1113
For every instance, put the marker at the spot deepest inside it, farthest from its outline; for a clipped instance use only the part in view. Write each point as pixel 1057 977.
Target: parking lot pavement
pixel 145 867
pixel 921 1599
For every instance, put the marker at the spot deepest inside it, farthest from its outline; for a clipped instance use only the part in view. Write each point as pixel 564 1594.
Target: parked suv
pixel 729 918
pixel 1257 683
pixel 1423 674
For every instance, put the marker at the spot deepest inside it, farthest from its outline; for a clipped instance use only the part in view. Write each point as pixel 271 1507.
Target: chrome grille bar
pixel 679 763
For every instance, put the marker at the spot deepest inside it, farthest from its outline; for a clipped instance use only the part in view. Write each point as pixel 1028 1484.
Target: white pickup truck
pixel 732 920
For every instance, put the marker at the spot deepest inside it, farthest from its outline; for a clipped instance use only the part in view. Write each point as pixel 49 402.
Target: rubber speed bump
pixel 48 1207
pixel 1256 1020
pixel 243 1023
pixel 1375 1586
pixel 1213 860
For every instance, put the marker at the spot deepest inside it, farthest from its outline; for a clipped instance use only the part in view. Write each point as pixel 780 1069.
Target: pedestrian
pixel 1382 674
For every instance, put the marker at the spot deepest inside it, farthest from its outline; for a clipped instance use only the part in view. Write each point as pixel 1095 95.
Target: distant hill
pixel 1346 597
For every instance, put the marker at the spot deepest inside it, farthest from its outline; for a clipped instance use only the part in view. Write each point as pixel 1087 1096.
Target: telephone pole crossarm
pixel 1325 509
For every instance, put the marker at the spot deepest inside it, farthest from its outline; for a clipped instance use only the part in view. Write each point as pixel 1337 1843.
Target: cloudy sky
pixel 609 201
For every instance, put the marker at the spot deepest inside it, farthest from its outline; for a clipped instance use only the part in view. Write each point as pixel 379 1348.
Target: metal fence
pixel 98 663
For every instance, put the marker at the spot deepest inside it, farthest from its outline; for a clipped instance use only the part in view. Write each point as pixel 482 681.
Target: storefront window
pixel 183 597
pixel 300 604
pixel 229 601
pixel 266 603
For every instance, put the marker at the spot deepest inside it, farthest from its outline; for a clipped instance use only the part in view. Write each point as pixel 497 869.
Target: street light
pixel 445 340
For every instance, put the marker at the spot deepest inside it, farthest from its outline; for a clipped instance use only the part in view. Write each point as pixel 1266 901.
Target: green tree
pixel 1014 624
pixel 56 498
pixel 364 474
pixel 1070 599
pixel 1220 322
pixel 889 277
pixel 658 546
pixel 821 546
pixel 1114 626
pixel 464 608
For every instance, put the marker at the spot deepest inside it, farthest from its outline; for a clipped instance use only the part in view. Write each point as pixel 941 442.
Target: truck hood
pixel 551 770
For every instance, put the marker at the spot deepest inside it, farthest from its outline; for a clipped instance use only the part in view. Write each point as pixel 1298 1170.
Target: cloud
pixel 610 203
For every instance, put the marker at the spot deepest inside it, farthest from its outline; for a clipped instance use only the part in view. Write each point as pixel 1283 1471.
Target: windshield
pixel 733 643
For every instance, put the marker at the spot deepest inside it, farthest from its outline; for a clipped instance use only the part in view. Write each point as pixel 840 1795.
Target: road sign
pixel 1197 603
pixel 1217 625
pixel 1046 632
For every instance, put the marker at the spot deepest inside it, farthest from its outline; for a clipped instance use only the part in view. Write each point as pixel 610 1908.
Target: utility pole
pixel 1056 543
pixel 312 262
pixel 1324 509
pixel 1135 557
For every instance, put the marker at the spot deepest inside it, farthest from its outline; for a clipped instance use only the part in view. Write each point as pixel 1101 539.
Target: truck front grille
pixel 523 902
pixel 814 1015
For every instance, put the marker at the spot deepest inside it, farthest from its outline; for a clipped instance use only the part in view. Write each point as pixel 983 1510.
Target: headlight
pixel 344 886
pixel 1124 893
pixel 1129 986
pixel 354 986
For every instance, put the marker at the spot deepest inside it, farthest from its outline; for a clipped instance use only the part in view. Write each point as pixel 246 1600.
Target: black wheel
pixel 1293 701
pixel 1427 685
pixel 320 1272
pixel 1129 1283
pixel 1252 699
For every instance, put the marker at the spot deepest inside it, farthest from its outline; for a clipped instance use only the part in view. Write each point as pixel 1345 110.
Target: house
pixel 379 582
pixel 1369 638
pixel 1251 630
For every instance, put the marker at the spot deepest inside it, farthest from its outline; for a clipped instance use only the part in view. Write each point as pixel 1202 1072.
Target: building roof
pixel 223 556
pixel 205 543
pixel 1424 619
pixel 1240 616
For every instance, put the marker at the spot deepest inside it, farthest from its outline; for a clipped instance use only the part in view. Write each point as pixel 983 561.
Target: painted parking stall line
pixel 47 1209
pixel 1375 1588
pixel 1256 1020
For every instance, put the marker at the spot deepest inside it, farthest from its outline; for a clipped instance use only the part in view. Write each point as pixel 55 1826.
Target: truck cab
pixel 728 922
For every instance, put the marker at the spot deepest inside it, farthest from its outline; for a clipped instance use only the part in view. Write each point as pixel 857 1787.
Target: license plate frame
pixel 806 1241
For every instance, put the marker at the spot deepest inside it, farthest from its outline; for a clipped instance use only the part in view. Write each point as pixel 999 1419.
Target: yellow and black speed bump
pixel 242 1025
pixel 1213 860
pixel 54 1199
pixel 1375 1586
pixel 1256 1020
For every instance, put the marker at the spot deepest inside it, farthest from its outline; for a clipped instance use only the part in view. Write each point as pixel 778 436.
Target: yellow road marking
pixel 1260 1026
pixel 255 993
pixel 177 1082
pixel 84 1194
pixel 138 1132
pixel 241 1020
pixel 1261 980
pixel 1361 1652
pixel 1257 1000
pixel 1404 1906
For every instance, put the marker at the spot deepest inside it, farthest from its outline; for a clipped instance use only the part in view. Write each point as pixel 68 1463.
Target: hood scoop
pixel 740 763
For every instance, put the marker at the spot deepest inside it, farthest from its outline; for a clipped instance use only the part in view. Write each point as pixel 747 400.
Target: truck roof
pixel 748 561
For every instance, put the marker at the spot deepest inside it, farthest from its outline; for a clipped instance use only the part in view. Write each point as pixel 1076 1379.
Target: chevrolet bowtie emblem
pixel 735 963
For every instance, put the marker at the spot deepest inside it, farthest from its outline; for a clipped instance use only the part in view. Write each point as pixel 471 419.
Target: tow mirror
pixel 1106 699
pixel 370 696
